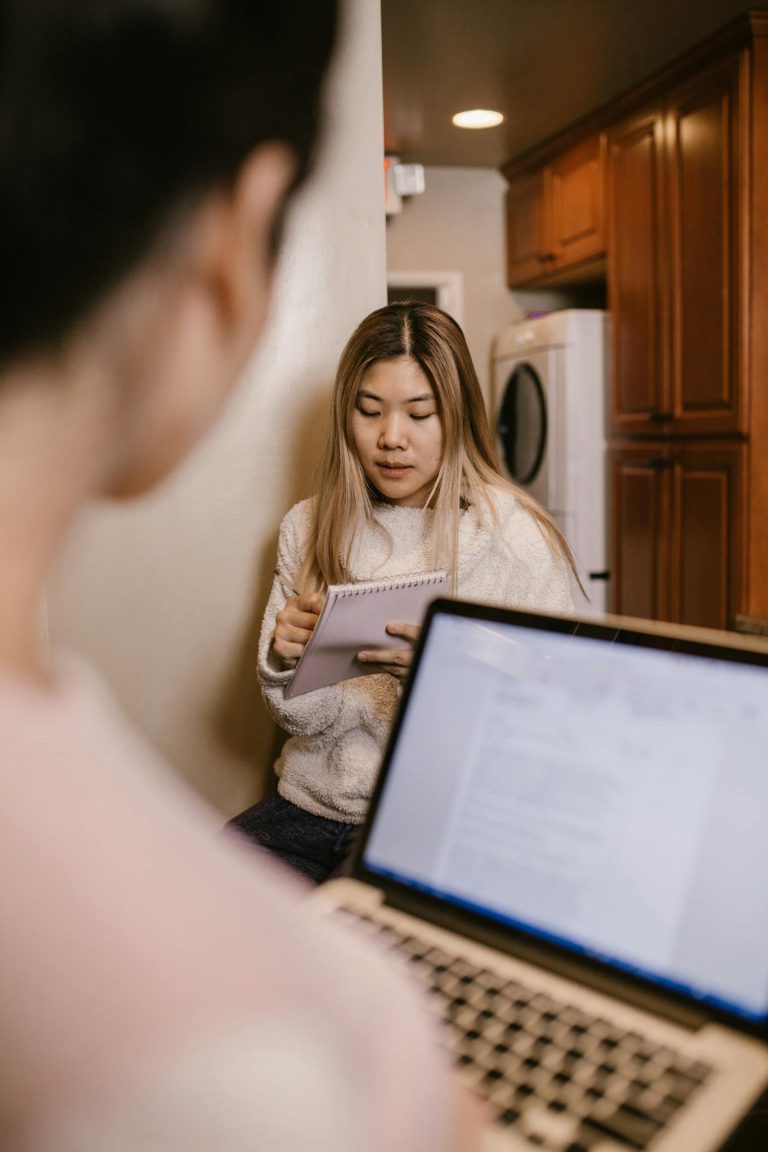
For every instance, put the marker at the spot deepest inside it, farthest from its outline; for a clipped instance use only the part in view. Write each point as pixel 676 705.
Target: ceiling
pixel 543 63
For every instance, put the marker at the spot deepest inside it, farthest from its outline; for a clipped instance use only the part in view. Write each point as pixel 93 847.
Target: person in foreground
pixel 410 483
pixel 161 987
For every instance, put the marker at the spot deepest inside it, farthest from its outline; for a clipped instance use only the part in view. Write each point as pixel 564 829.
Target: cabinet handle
pixel 662 417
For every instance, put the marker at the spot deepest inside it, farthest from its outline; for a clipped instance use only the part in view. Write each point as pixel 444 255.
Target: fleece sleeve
pixel 313 712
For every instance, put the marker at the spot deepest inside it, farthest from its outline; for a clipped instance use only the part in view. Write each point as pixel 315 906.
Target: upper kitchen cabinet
pixel 575 198
pixel 676 182
pixel 555 217
pixel 526 238
pixel 637 214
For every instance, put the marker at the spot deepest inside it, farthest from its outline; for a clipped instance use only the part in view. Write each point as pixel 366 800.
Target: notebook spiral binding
pixel 365 587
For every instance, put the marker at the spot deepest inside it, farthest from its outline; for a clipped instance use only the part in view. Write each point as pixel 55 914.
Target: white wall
pixel 165 596
pixel 457 224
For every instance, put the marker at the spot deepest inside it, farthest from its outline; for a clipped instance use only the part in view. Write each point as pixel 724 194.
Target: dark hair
pixel 115 115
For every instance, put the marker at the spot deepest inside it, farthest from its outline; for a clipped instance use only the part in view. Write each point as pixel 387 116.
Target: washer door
pixel 522 424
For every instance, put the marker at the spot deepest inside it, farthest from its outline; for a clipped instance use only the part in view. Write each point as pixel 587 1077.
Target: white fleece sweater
pixel 337 735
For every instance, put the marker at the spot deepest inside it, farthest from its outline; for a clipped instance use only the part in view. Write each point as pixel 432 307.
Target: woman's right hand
pixel 294 624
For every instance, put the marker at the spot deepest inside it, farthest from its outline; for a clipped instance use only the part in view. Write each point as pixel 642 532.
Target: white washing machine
pixel 549 384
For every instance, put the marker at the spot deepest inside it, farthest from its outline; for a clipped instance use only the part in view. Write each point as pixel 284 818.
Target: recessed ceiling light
pixel 477 118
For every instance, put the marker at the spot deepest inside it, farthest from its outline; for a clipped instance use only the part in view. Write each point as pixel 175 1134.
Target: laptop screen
pixel 609 797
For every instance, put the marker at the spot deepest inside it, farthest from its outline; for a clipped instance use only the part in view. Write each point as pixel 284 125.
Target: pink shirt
pixel 162 986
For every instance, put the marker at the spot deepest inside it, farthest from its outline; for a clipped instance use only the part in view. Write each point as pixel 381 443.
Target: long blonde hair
pixel 469 469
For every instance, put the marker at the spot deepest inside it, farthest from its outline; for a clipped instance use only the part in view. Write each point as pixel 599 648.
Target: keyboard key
pixel 659 1108
pixel 696 1069
pixel 551 1127
pixel 625 1124
pixel 552 1058
pixel 681 1088
pixel 494 1031
pixel 664 1111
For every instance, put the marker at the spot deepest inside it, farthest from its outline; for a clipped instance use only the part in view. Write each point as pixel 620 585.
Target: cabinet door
pixel 527 258
pixel 708 501
pixel 636 285
pixel 678 531
pixel 704 211
pixel 575 200
pixel 640 498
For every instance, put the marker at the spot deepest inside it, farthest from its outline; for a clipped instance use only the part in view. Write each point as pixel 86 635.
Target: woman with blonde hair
pixel 409 482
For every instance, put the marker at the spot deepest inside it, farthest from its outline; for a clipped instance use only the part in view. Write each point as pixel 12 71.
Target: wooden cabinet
pixel 637 293
pixel 685 157
pixel 678 530
pixel 675 271
pixel 526 239
pixel 575 200
pixel 555 216
pixel 640 533
pixel 679 296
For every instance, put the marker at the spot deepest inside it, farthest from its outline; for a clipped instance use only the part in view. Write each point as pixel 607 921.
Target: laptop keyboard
pixel 561 1078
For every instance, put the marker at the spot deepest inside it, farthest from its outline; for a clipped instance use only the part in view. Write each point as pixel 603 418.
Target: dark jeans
pixel 312 845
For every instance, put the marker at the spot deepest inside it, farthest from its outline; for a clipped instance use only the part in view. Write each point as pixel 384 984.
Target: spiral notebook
pixel 354 617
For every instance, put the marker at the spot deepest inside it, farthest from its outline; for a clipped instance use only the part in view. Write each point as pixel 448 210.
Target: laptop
pixel 568 847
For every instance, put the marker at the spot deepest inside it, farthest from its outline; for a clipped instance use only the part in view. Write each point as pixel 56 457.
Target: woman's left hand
pixel 396 661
